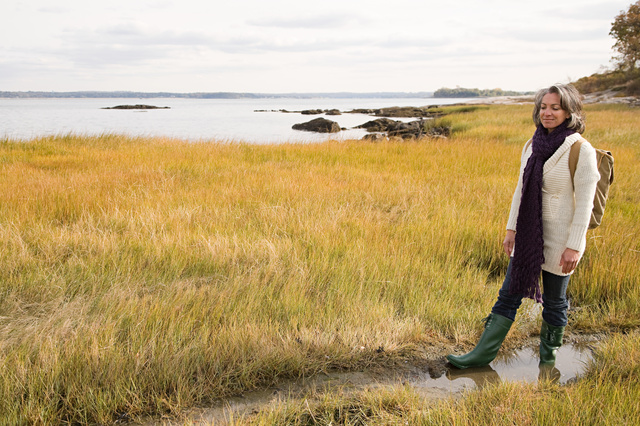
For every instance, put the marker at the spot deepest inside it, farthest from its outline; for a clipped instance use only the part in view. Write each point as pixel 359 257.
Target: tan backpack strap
pixel 574 154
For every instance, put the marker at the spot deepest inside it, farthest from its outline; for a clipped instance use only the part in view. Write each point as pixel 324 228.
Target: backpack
pixel 605 168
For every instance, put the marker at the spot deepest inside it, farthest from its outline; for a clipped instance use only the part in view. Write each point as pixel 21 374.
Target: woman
pixel 547 226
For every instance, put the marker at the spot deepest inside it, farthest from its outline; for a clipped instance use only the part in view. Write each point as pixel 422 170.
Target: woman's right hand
pixel 509 242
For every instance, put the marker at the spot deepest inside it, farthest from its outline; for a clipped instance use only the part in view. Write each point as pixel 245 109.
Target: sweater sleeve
pixel 585 181
pixel 517 195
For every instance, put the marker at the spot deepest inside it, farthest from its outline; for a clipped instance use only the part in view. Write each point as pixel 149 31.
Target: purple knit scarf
pixel 529 256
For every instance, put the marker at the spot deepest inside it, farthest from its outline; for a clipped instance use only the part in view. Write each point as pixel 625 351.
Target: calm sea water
pixel 188 119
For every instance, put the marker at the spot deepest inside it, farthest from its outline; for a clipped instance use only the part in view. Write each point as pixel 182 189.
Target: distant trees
pixel 626 30
pixel 461 92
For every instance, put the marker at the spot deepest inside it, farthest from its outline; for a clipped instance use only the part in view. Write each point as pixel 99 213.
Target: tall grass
pixel 148 275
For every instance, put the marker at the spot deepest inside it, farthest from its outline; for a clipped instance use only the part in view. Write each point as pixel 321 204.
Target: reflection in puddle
pixel 436 381
pixel 521 366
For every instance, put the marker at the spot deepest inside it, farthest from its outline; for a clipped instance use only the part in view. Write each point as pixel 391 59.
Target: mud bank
pixel 431 379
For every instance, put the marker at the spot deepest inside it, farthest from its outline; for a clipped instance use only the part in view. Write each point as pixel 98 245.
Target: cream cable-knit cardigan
pixel 565 211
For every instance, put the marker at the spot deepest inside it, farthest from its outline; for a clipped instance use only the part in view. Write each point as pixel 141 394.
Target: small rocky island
pixel 136 107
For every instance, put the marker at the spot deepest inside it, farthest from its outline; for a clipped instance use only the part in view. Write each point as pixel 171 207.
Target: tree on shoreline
pixel 626 30
pixel 625 78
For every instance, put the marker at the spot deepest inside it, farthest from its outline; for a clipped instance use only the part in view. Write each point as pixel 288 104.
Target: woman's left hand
pixel 569 260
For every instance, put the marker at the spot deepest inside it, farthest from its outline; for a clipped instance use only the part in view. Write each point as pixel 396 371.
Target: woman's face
pixel 551 113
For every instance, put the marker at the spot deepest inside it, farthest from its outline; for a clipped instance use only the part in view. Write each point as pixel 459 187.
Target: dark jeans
pixel 554 299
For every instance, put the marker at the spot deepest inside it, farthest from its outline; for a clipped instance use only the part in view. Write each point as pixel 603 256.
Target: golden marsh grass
pixel 145 276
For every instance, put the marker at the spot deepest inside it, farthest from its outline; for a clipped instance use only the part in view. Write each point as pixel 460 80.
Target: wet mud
pixel 433 379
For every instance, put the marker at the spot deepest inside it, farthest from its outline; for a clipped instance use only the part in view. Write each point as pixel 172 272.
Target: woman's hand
pixel 569 260
pixel 509 242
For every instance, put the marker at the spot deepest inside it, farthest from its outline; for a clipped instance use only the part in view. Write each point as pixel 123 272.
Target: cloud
pixel 132 43
pixel 108 55
pixel 53 10
pixel 601 11
pixel 135 35
pixel 326 21
pixel 559 35
pixel 404 41
pixel 345 42
pixel 135 45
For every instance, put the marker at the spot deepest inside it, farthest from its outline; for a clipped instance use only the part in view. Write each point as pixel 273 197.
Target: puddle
pixel 433 381
pixel 520 366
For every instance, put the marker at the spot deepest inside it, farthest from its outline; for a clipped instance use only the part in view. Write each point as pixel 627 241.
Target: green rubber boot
pixel 550 342
pixel 495 330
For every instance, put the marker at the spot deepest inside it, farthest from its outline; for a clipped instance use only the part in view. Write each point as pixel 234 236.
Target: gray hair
pixel 569 101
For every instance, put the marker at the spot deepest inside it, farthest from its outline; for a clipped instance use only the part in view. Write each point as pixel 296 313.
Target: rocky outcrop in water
pixel 320 125
pixel 384 127
pixel 381 125
pixel 136 107
pixel 404 112
pixel 411 130
pixel 319 111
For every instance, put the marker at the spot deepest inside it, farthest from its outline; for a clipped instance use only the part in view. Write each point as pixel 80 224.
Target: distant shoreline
pixel 607 96
pixel 603 97
pixel 211 95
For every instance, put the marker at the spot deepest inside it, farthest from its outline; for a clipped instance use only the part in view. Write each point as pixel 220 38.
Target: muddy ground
pixel 430 376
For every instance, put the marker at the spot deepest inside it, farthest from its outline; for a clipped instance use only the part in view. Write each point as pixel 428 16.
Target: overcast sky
pixel 275 46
